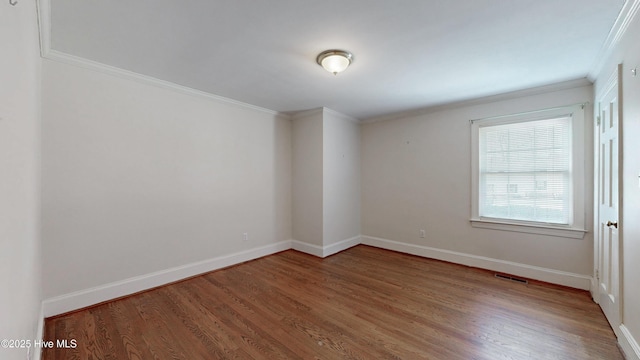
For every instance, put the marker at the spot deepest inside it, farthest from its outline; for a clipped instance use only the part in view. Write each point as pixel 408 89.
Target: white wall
pixel 139 178
pixel 20 294
pixel 416 174
pixel 307 137
pixel 326 181
pixel 341 178
pixel 627 52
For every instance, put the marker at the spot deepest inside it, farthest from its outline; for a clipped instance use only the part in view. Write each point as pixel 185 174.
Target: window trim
pixel 576 229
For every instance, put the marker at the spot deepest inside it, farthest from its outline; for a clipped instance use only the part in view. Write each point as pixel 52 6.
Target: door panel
pixel 608 239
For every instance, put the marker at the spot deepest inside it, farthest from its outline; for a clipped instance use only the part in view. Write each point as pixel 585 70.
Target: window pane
pixel 525 171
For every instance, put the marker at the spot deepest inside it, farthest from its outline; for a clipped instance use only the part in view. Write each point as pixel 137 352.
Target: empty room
pixel 320 180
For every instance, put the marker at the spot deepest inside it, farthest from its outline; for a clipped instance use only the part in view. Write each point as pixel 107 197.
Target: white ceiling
pixel 409 54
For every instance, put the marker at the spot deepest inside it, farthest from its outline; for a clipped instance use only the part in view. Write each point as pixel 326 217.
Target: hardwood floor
pixel 363 303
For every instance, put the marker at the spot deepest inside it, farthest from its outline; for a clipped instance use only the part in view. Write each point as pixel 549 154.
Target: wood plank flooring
pixel 363 303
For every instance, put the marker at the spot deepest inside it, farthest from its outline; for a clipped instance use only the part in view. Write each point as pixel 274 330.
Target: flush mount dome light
pixel 334 61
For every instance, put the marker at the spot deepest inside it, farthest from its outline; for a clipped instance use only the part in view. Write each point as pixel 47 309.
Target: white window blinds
pixel 525 171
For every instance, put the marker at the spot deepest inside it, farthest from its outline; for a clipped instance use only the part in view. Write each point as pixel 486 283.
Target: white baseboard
pixel 324 251
pixel 528 271
pixel 84 298
pixel 87 297
pixel 628 344
pixel 340 246
pixel 307 248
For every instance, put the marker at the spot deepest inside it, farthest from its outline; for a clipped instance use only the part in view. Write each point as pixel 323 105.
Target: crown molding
pixel 611 82
pixel 320 111
pixel 340 115
pixel 44 20
pixel 565 85
pixel 64 58
pixel 307 113
pixel 625 17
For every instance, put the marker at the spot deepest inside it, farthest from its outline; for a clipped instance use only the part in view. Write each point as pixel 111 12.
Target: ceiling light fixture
pixel 335 61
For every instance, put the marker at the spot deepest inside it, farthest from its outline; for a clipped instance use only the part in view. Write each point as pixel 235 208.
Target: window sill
pixel 550 230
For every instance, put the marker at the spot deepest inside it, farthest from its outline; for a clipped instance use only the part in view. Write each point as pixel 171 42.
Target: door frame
pixel 615 80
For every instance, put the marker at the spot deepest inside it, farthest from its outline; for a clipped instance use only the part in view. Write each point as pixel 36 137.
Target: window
pixel 528 172
pixel 517 158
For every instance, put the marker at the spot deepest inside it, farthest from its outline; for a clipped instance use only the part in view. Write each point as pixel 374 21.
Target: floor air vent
pixel 512 278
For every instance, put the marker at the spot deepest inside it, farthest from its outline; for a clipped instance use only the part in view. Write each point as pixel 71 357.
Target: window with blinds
pixel 525 170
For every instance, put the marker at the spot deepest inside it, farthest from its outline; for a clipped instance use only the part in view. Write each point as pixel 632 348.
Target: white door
pixel 608 254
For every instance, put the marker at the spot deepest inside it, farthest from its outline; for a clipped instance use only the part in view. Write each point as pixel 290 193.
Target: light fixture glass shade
pixel 335 61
